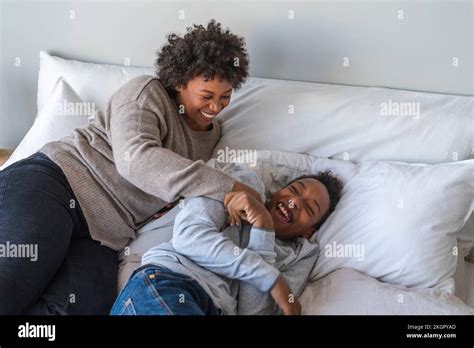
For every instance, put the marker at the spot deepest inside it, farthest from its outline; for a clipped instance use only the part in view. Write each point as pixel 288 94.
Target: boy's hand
pixel 285 299
pixel 292 308
pixel 243 206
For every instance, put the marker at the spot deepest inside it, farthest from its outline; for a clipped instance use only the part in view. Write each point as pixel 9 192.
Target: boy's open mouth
pixel 284 213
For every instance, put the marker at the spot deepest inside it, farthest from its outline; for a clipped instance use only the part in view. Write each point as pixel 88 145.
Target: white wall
pixel 414 53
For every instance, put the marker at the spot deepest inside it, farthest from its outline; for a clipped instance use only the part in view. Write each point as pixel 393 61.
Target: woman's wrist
pixel 238 186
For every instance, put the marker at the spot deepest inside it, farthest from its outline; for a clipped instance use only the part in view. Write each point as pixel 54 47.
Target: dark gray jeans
pixel 48 262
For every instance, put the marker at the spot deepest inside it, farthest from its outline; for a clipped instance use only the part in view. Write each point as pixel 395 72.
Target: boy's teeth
pixel 283 210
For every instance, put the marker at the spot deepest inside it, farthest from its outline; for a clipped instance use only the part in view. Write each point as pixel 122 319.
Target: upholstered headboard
pixel 413 45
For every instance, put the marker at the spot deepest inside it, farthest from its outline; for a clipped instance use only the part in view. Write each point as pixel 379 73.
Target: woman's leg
pixel 86 283
pixel 155 290
pixel 38 217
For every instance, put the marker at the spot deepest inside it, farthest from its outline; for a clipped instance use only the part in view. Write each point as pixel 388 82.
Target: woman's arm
pixel 141 159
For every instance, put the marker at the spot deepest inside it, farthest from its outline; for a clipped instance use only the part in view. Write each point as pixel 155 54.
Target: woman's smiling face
pixel 201 100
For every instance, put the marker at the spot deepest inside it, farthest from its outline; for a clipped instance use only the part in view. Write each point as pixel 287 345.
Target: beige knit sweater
pixel 135 157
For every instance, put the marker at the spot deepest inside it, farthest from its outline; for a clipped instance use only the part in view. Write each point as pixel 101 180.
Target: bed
pixel 390 146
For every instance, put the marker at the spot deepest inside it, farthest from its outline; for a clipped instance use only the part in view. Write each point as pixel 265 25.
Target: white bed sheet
pixel 347 291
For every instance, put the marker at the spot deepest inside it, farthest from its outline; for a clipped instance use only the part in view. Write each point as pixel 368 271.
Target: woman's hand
pixel 243 206
pixel 234 214
pixel 285 299
pixel 238 186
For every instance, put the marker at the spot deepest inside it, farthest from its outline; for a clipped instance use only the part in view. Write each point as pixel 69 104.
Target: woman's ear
pixel 179 88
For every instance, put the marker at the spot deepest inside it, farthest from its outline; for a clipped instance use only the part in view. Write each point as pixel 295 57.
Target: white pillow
pixel 92 82
pixel 63 113
pixel 335 121
pixel 347 291
pixel 399 220
pixel 348 122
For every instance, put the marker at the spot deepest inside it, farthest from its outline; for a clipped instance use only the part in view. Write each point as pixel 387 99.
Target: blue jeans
pixel 155 290
pixel 70 273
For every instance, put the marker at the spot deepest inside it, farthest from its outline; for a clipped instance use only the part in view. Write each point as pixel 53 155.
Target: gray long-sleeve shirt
pixel 236 265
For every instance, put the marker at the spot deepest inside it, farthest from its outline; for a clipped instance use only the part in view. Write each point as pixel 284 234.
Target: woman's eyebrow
pixel 315 201
pixel 211 92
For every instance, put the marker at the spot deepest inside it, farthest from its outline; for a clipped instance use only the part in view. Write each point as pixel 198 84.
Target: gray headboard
pixel 414 45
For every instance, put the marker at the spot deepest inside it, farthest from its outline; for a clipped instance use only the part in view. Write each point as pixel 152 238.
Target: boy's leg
pixel 155 290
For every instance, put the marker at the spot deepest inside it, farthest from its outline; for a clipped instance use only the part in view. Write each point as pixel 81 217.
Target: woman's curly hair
pixel 203 51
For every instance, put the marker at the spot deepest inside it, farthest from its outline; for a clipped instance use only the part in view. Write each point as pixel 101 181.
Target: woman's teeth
pixel 207 115
pixel 283 211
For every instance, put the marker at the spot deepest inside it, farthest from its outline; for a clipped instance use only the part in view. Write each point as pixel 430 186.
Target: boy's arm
pixel 295 274
pixel 252 301
pixel 196 235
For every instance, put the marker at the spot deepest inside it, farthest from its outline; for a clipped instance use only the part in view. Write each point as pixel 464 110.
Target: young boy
pixel 258 266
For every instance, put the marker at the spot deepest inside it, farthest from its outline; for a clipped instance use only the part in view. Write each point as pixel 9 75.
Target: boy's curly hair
pixel 203 51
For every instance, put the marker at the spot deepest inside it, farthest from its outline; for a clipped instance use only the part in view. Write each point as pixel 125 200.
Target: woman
pixel 81 199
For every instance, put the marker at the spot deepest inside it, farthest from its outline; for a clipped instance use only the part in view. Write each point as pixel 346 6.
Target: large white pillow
pixel 334 121
pixel 347 291
pixel 92 82
pixel 63 112
pixel 402 218
pixel 348 122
